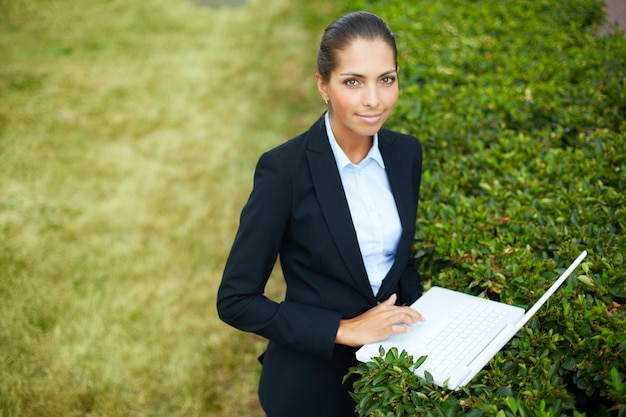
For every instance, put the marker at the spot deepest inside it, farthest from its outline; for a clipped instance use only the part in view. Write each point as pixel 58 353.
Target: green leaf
pixel 512 404
pixel 420 361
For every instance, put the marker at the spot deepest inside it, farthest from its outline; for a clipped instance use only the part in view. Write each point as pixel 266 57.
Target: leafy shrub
pixel 388 387
pixel 520 107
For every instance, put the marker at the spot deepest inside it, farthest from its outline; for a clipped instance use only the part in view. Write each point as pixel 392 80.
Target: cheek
pixel 345 101
pixel 393 96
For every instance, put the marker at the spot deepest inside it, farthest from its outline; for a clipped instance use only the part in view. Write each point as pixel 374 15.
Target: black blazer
pixel 297 210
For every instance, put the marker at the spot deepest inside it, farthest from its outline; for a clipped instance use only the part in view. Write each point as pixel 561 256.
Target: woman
pixel 338 205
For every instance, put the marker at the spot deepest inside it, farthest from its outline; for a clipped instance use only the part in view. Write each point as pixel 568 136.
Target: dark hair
pixel 344 30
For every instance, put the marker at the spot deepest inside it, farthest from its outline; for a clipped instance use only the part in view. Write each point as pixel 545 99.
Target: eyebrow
pixel 354 74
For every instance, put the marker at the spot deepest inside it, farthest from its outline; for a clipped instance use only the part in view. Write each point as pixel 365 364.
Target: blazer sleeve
pixel 240 300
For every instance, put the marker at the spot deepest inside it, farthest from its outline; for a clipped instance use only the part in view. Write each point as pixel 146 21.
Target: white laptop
pixel 461 332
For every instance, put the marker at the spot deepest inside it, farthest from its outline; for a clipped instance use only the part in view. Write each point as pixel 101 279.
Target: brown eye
pixel 352 82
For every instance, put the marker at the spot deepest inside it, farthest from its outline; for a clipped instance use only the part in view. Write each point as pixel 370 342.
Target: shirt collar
pixel 340 156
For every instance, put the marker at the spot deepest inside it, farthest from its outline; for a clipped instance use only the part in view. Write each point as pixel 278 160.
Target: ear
pixel 322 86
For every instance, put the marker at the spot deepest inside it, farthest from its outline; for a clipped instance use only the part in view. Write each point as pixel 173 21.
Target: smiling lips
pixel 370 118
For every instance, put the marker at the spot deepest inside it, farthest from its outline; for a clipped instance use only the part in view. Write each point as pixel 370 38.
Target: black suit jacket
pixel 297 210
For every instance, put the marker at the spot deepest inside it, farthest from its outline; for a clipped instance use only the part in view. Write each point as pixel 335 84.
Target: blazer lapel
pixel 400 188
pixel 334 205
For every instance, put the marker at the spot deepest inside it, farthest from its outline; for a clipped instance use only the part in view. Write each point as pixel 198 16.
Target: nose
pixel 370 97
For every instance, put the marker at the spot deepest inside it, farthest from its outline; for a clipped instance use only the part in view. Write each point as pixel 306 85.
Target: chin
pixel 371 130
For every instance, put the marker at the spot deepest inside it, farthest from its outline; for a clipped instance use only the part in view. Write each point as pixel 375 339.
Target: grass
pixel 128 137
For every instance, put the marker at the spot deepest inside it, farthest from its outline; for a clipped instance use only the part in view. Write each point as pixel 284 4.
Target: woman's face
pixel 362 89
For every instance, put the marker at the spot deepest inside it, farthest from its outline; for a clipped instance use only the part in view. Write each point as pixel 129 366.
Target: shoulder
pixel 290 147
pixel 294 149
pixel 400 141
pixel 397 135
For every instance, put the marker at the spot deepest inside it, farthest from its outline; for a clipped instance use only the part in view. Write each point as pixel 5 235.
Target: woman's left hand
pixel 377 323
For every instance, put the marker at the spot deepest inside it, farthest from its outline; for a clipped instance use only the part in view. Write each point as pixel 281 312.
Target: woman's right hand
pixel 377 323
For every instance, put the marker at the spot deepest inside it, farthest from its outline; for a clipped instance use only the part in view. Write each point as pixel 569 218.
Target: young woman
pixel 338 205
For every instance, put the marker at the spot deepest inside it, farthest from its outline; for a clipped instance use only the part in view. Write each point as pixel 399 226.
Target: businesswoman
pixel 337 205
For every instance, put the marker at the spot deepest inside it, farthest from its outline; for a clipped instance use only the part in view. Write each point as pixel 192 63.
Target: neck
pixel 354 146
pixel 356 149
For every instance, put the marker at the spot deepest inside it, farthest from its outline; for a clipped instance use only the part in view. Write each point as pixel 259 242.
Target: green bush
pixel 520 108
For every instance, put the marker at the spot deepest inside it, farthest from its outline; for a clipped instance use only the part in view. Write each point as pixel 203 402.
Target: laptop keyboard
pixel 457 338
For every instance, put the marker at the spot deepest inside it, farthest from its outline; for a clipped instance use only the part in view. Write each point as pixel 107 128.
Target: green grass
pixel 128 137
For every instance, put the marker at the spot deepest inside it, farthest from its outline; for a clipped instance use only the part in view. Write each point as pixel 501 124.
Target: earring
pixel 326 101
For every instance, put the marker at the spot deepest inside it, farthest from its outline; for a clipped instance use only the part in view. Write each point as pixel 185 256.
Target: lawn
pixel 129 131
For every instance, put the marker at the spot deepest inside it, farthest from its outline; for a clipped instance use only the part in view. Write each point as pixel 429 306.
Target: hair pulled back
pixel 344 30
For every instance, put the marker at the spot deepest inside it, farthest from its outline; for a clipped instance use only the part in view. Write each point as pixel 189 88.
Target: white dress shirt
pixel 372 206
